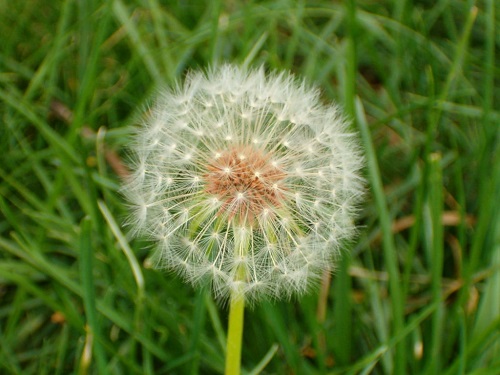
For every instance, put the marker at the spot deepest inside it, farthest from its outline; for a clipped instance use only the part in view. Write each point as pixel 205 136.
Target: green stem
pixel 237 304
pixel 235 334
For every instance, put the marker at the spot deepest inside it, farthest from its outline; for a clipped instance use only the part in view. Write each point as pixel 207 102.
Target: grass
pixel 417 293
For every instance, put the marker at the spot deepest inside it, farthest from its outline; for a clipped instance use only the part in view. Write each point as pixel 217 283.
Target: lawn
pixel 416 292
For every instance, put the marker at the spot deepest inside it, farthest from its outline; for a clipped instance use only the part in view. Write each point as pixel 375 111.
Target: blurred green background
pixel 418 292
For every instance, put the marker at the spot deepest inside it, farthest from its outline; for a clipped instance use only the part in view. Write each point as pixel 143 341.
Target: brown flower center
pixel 246 181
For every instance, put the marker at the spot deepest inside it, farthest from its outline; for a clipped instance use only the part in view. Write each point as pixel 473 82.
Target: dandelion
pixel 245 181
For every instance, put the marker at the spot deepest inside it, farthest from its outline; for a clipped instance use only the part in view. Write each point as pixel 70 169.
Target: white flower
pixel 245 180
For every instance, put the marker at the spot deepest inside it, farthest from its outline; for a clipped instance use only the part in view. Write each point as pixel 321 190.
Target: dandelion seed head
pixel 245 181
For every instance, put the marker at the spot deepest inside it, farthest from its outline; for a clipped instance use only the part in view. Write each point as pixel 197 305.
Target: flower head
pixel 245 180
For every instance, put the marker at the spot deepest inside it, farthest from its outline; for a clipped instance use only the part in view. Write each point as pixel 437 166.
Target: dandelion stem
pixel 235 334
pixel 237 304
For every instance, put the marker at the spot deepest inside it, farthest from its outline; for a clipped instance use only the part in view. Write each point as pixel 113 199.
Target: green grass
pixel 416 293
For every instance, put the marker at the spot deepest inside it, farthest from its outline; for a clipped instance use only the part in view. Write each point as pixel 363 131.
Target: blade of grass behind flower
pixel 62 350
pixel 134 264
pixel 295 20
pixel 434 233
pixel 94 19
pixel 16 274
pixel 489 190
pixel 315 67
pixel 121 12
pixel 216 322
pixel 316 332
pixel 490 304
pixel 14 100
pixel 9 362
pixel 343 312
pixel 476 347
pixel 140 324
pixel 375 296
pixel 214 40
pixel 35 258
pixel 256 48
pixel 89 296
pixel 45 75
pixel 343 283
pixel 276 317
pixel 198 326
pixel 370 359
pixel 489 308
pixel 165 50
pixel 390 257
pixel 265 360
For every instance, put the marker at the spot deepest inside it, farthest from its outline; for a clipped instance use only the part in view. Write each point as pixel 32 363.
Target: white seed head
pixel 246 181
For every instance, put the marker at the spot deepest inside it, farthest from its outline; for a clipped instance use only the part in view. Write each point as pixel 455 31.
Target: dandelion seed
pixel 246 181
